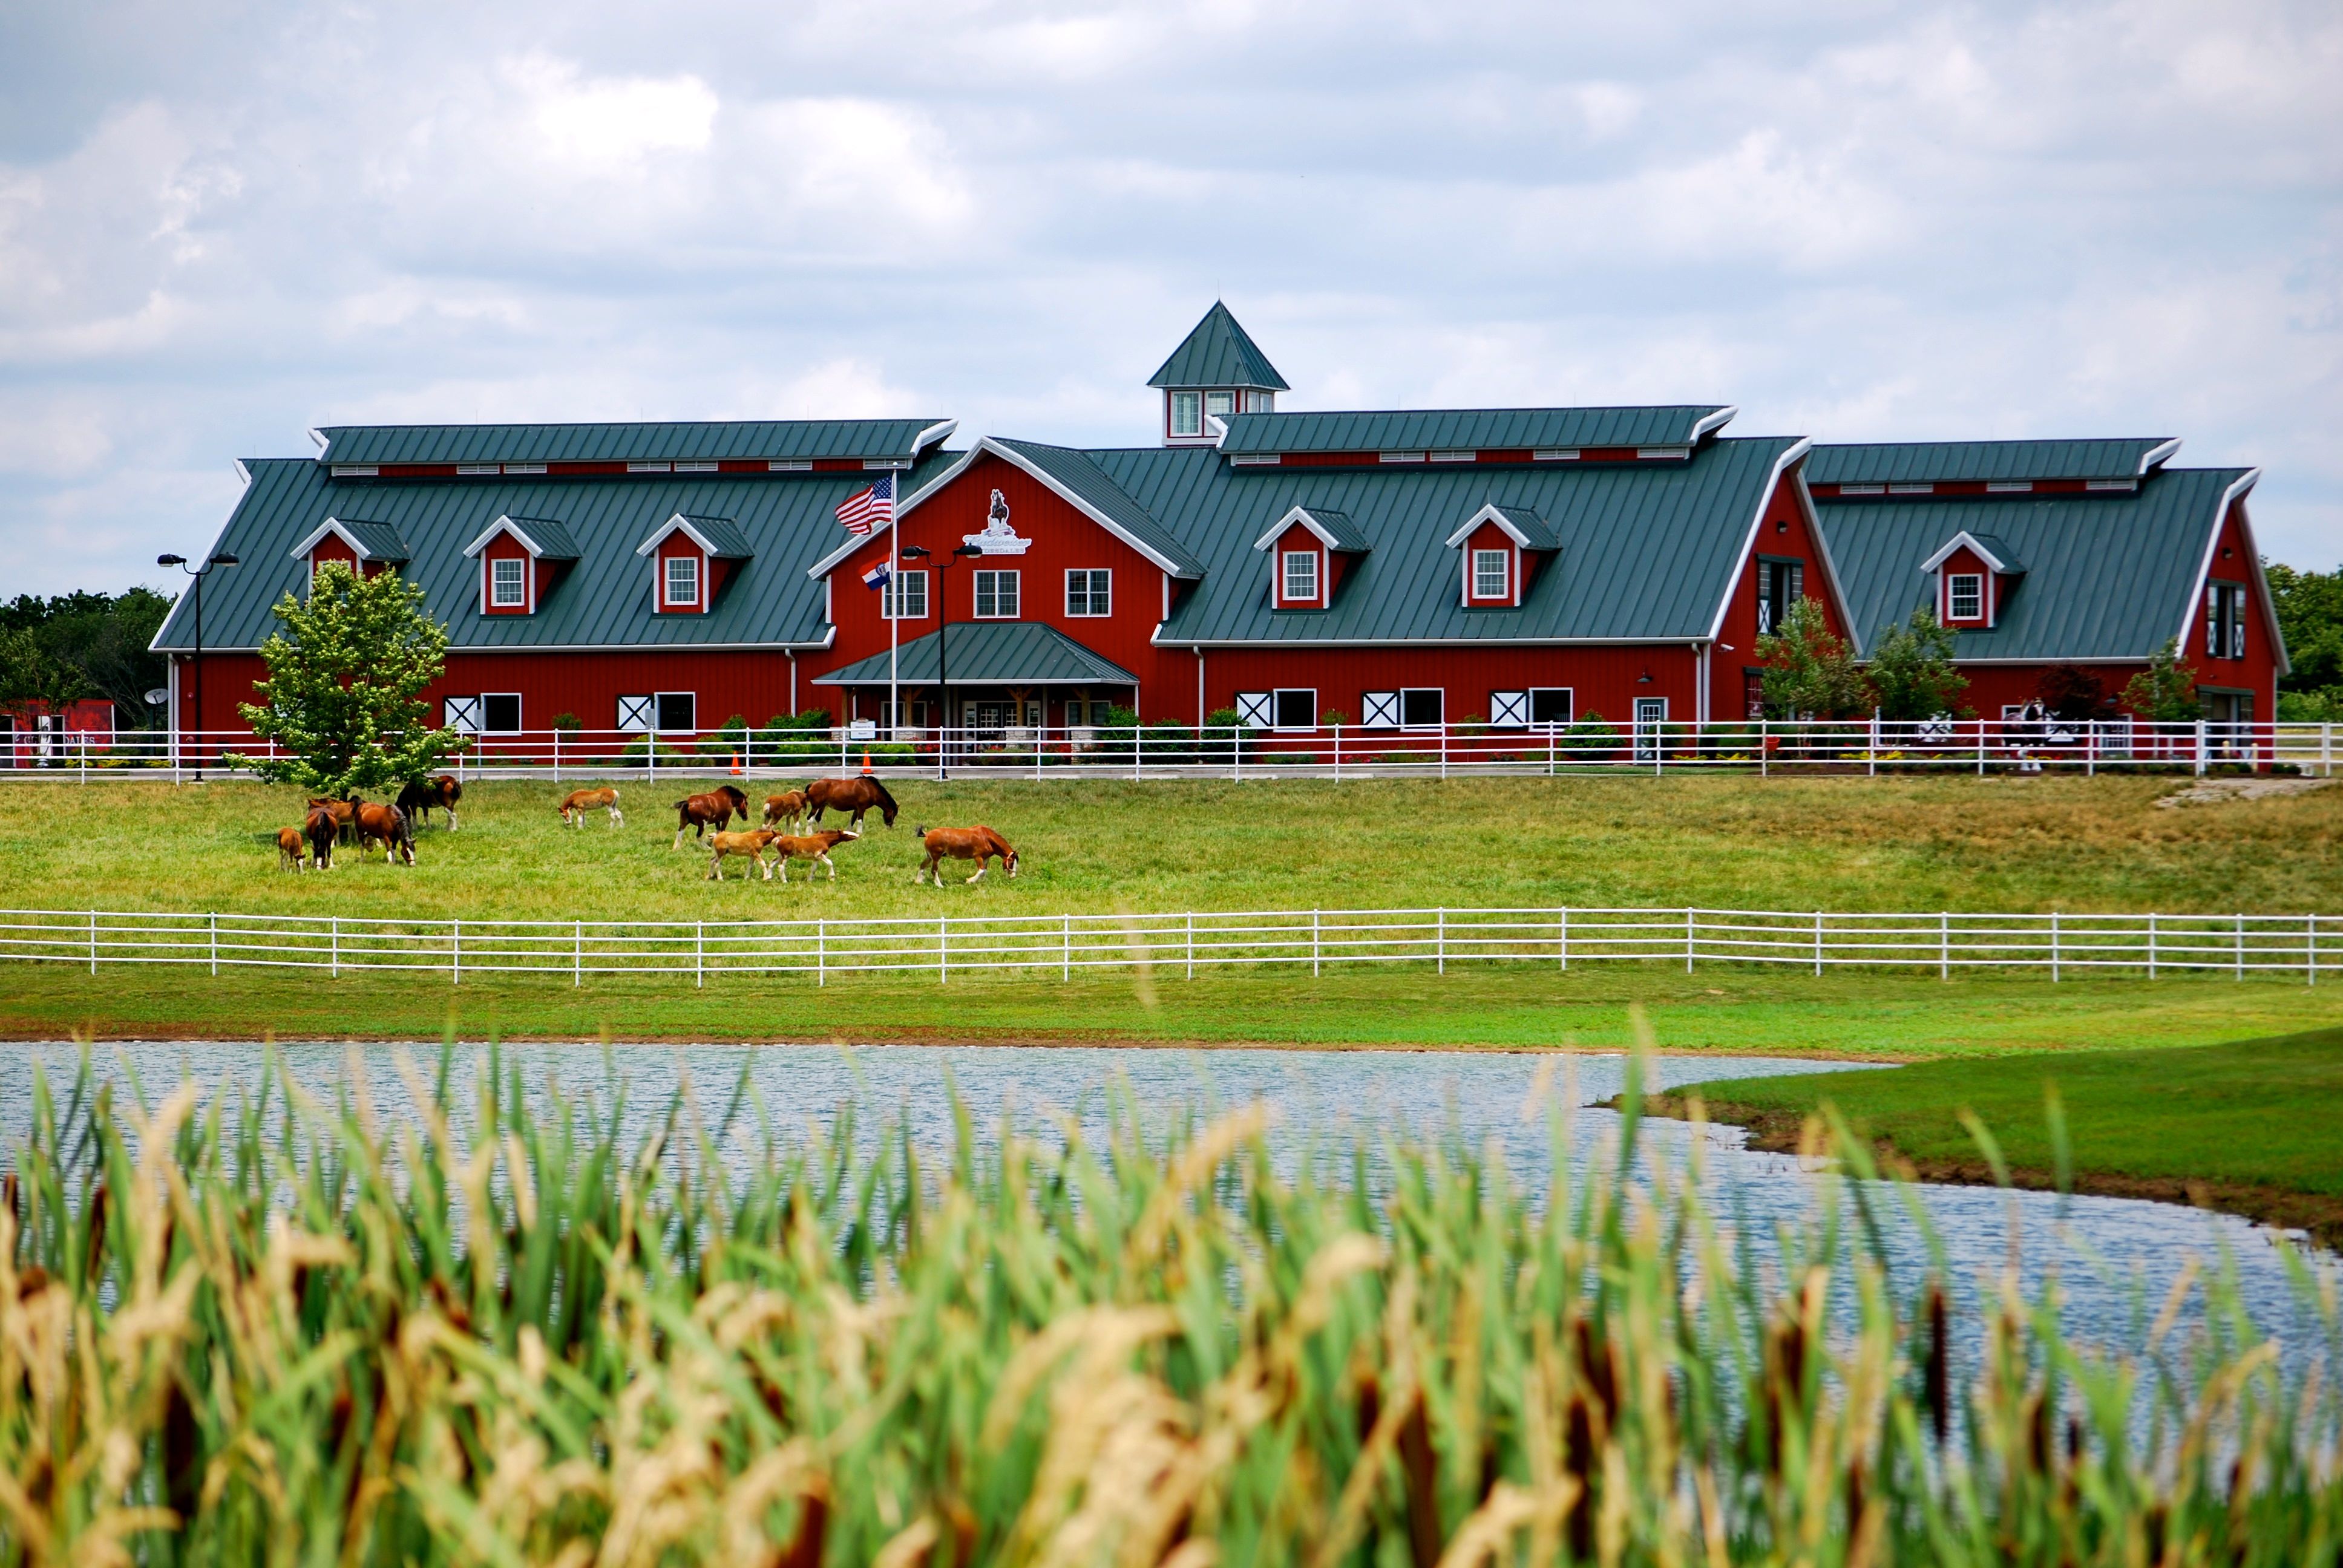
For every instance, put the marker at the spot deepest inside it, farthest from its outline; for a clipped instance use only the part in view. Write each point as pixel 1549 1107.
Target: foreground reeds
pixel 294 1333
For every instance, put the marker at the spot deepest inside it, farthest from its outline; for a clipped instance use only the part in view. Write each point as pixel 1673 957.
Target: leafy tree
pixel 1810 670
pixel 2310 613
pixel 2070 692
pixel 344 697
pixel 2166 691
pixel 32 680
pixel 103 637
pixel 1911 672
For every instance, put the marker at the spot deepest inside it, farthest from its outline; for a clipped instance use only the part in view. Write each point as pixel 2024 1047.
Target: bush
pixel 567 723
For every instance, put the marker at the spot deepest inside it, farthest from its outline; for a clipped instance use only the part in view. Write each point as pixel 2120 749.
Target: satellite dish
pixel 159 696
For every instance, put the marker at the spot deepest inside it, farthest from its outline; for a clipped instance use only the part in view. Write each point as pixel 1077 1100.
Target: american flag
pixel 864 508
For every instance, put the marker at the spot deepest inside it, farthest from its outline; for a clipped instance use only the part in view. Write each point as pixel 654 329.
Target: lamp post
pixel 220 559
pixel 943 619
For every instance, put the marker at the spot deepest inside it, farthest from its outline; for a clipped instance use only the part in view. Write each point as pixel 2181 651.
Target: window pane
pixel 635 712
pixel 500 710
pixel 508 587
pixel 683 579
pixel 676 711
pixel 1550 705
pixel 1969 596
pixel 1220 405
pixel 1297 709
pixel 1420 705
pixel 1187 413
pixel 1300 574
pixel 1488 574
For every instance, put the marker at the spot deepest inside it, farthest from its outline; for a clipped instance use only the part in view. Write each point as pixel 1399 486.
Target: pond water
pixel 2115 1257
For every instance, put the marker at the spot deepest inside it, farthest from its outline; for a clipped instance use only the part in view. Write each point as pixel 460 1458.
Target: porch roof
pixel 990 653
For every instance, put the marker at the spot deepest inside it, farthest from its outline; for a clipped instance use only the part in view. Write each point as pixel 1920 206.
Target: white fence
pixel 2275 946
pixel 1242 751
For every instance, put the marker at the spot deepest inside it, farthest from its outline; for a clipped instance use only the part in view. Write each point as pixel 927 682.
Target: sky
pixel 222 224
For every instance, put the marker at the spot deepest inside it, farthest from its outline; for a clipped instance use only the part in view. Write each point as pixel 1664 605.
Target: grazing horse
pixel 698 813
pixel 750 843
pixel 291 846
pixel 788 807
pixel 322 830
pixel 857 795
pixel 421 795
pixel 979 844
pixel 815 846
pixel 577 802
pixel 346 817
pixel 386 826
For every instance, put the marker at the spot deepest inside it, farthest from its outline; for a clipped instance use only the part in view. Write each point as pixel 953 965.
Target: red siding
pixel 678 546
pixel 1298 538
pixel 1965 562
pixel 504 548
pixel 1782 532
pixel 1490 537
pixel 1605 680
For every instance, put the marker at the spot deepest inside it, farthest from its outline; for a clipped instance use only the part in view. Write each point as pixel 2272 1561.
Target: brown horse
pixel 698 813
pixel 750 843
pixel 386 826
pixel 788 807
pixel 857 795
pixel 814 845
pixel 346 816
pixel 421 795
pixel 291 847
pixel 577 802
pixel 979 844
pixel 322 830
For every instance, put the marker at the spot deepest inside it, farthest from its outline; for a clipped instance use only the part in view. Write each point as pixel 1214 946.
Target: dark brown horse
pixel 857 795
pixel 696 814
pixel 322 830
pixel 345 813
pixel 386 826
pixel 422 794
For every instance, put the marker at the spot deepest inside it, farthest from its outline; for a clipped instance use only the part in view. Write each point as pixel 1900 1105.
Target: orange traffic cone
pixel 866 762
pixel 736 764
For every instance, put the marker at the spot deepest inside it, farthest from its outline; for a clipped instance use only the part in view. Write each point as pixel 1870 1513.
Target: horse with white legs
pixel 979 844
pixel 811 846
pixel 577 802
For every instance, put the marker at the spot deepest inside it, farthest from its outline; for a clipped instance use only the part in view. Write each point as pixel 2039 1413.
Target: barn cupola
pixel 692 561
pixel 1502 546
pixel 1216 374
pixel 520 560
pixel 367 548
pixel 1976 575
pixel 1311 550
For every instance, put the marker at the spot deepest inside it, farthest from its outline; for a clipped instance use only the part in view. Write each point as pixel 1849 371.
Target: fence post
pixel 1315 950
pixel 1066 949
pixel 1236 754
pixel 821 953
pixel 1980 727
pixel 1687 938
pixel 943 948
pixel 557 757
pixel 650 751
pixel 2241 947
pixel 1873 770
pixel 2310 947
pixel 1338 752
pixel 1764 763
pixel 455 954
pixel 1944 943
pixel 1443 748
pixel 2327 750
pixel 2054 946
pixel 1819 943
pixel 700 952
pixel 1191 944
pixel 93 941
pixel 336 938
pixel 1440 940
pixel 2090 748
pixel 2151 945
pixel 2200 748
pixel 1562 934
pixel 215 943
pixel 578 955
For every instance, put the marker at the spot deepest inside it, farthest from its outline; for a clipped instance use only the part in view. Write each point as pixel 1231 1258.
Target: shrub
pixel 567 722
pixel 2166 691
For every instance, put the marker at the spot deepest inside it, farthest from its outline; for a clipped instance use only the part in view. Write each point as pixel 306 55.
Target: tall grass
pixel 485 1327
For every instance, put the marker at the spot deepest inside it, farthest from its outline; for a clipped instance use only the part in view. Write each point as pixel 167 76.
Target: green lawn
pixel 2257 1124
pixel 1959 843
pixel 1878 1017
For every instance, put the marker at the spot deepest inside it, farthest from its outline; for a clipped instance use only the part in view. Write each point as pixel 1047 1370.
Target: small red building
pixel 1522 568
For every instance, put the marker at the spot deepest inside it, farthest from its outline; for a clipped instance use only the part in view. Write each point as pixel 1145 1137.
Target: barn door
pixel 1254 710
pixel 1381 709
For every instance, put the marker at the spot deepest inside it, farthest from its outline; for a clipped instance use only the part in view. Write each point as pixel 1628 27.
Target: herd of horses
pixel 792 829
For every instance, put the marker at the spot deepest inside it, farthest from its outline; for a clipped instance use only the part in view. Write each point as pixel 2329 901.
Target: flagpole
pixel 894 601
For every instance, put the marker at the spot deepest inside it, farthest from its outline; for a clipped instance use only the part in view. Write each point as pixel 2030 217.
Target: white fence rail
pixel 1242 751
pixel 2274 946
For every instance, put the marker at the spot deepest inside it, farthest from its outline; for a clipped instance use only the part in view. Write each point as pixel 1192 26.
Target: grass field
pixel 1870 1017
pixel 2251 1125
pixel 2009 844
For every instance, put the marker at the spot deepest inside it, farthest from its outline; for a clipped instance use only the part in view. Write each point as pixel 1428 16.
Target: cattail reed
pixel 297 1333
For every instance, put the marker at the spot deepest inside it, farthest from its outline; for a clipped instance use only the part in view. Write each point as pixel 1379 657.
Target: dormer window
pixel 1220 405
pixel 508 583
pixel 1187 413
pixel 1299 569
pixel 1492 573
pixel 1975 575
pixel 367 549
pixel 1500 546
pixel 1216 374
pixel 682 582
pixel 1965 597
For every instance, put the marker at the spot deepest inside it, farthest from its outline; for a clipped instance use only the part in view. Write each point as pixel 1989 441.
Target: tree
pixel 32 680
pixel 1911 673
pixel 2310 613
pixel 2073 693
pixel 1809 669
pixel 2166 691
pixel 105 637
pixel 344 697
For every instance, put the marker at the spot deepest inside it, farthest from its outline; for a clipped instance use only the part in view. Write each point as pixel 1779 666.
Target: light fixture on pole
pixel 943 619
pixel 218 559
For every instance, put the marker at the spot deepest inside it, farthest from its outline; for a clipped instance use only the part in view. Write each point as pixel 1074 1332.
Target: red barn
pixel 1521 567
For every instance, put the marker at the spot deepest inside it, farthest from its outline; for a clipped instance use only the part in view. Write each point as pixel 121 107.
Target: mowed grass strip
pixel 2012 844
pixel 1492 1007
pixel 2249 1125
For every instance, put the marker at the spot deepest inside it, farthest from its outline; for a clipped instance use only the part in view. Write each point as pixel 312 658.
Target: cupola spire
pixel 1217 373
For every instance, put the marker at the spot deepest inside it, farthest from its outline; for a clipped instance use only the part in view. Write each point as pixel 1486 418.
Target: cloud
pixel 1854 218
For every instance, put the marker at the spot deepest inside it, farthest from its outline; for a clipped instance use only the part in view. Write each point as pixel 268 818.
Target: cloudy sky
pixel 222 223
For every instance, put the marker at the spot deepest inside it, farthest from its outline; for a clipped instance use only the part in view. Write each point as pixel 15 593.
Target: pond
pixel 2115 1258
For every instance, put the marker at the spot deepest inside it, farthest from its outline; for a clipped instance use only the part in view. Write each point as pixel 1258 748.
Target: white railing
pixel 1168 750
pixel 2275 946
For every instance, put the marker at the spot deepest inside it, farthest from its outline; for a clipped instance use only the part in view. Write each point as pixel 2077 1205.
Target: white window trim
pixel 461 714
pixel 483 700
pixel 1088 614
pixel 1016 591
pixel 1227 413
pixel 1650 717
pixel 1317 595
pixel 666 581
pixel 1504 573
pixel 1570 700
pixel 1952 596
pixel 1509 709
pixel 642 719
pixel 659 697
pixel 1283 692
pixel 1379 709
pixel 1256 710
pixel 490 564
pixel 887 599
pixel 1407 691
pixel 1187 402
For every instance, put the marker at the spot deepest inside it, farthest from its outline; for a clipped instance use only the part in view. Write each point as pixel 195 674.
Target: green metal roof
pixel 2108 576
pixel 771 440
pixel 378 541
pixel 1472 429
pixel 990 653
pixel 1078 474
pixel 604 600
pixel 1218 353
pixel 554 542
pixel 1953 462
pixel 1536 533
pixel 1649 549
pixel 1335 528
pixel 723 535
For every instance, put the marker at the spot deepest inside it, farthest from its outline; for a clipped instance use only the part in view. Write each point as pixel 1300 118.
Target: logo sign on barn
pixel 997 538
